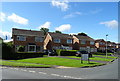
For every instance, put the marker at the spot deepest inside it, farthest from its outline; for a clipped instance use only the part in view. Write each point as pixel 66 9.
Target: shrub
pixel 7 50
pixel 23 55
pixel 21 48
pixel 67 53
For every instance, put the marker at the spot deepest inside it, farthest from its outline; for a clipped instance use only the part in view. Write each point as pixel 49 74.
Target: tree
pixel 58 31
pixel 44 30
pixel 82 34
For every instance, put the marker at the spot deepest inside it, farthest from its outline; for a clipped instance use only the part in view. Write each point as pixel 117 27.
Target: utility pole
pixel 106 45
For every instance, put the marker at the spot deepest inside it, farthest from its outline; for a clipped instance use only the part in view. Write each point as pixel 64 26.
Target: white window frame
pixel 83 48
pixel 83 41
pixel 39 38
pixel 20 38
pixel 92 42
pixel 56 41
pixel 29 48
pixel 70 41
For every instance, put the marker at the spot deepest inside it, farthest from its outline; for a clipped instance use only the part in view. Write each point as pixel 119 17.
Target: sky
pixel 96 19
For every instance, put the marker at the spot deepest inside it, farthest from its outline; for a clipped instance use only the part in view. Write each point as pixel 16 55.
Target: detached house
pixel 100 44
pixel 32 41
pixel 58 41
pixel 84 43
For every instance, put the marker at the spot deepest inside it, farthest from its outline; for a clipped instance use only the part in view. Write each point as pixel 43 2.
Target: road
pixel 109 71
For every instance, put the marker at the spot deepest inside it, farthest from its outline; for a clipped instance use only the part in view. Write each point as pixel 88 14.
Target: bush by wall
pixel 23 55
pixel 67 53
pixel 7 50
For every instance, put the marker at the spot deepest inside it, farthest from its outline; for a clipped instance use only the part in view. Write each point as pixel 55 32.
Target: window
pixel 69 40
pixel 83 48
pixel 57 40
pixel 92 42
pixel 101 43
pixel 21 38
pixel 56 47
pixel 83 42
pixel 32 48
pixel 38 39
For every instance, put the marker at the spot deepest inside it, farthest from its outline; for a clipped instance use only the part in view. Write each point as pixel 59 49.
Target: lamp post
pixel 106 45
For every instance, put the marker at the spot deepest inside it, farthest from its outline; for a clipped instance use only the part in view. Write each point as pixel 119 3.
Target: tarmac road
pixel 109 71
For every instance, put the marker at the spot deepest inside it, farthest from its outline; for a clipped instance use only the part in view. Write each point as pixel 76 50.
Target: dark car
pixel 78 53
pixel 45 52
pixel 52 53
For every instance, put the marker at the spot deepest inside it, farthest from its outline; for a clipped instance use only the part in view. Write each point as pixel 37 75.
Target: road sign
pixel 84 57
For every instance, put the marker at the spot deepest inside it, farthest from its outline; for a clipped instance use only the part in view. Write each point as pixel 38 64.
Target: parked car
pixel 52 53
pixel 78 53
pixel 45 52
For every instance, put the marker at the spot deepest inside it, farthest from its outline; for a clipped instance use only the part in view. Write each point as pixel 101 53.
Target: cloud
pixel 72 15
pixel 17 19
pixel 63 4
pixel 110 24
pixel 3 34
pixel 65 27
pixel 2 16
pixel 45 25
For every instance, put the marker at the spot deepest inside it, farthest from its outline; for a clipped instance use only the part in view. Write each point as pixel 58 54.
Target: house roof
pixel 26 32
pixel 60 35
pixel 99 40
pixel 84 38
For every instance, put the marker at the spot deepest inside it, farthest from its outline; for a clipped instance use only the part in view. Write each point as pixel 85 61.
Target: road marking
pixel 11 68
pixel 42 73
pixel 24 70
pixel 16 68
pixel 32 71
pixel 55 74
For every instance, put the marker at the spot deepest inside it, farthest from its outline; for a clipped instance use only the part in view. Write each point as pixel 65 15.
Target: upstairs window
pixel 102 43
pixel 21 38
pixel 38 39
pixel 83 42
pixel 56 40
pixel 92 42
pixel 69 40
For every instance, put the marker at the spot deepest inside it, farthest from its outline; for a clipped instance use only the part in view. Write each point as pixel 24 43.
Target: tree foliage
pixel 58 31
pixel 44 30
pixel 82 34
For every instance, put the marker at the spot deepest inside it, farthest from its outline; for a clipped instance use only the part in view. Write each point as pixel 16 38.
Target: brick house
pixel 31 40
pixel 58 41
pixel 111 45
pixel 100 44
pixel 84 43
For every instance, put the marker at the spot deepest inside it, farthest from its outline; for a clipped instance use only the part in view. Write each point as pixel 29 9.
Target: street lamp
pixel 106 45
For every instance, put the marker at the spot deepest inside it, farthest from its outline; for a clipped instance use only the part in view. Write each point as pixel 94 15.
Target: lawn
pixel 97 58
pixel 58 61
pixel 105 56
pixel 18 64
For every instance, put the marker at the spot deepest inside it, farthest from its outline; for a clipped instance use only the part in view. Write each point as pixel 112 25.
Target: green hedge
pixel 24 55
pixel 63 52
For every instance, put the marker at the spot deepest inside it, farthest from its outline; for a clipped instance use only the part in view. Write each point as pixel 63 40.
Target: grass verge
pixel 18 64
pixel 59 61
pixel 97 58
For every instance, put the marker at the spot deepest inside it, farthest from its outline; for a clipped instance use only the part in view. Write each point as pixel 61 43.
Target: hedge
pixel 67 53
